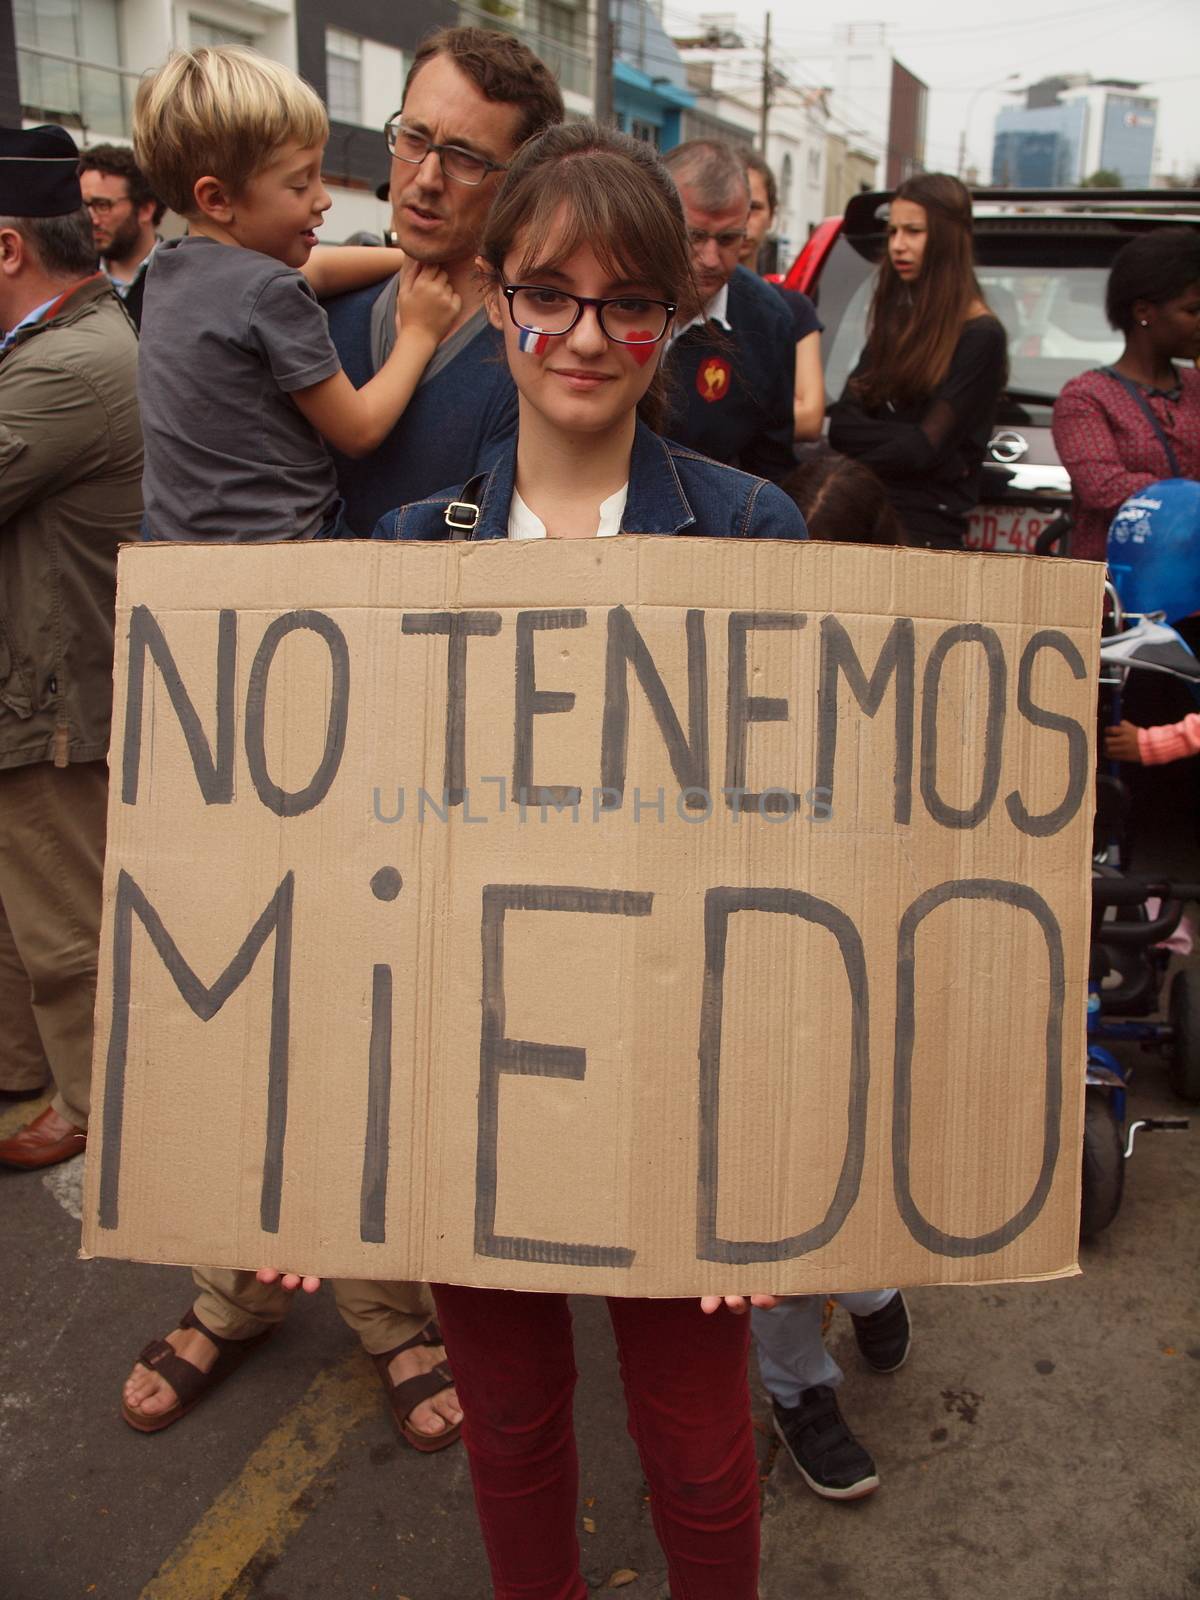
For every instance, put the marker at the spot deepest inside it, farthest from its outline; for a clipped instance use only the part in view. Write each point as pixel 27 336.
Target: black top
pixel 929 452
pixel 804 314
pixel 731 393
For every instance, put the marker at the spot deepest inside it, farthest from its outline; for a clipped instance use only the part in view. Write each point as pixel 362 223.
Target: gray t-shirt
pixel 227 335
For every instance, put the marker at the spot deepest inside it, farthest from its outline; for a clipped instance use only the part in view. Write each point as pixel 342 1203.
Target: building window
pixel 557 22
pixel 814 166
pixel 94 98
pixel 343 76
pixel 647 132
pixel 203 34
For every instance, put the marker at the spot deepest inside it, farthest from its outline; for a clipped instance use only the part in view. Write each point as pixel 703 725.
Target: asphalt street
pixel 1040 1443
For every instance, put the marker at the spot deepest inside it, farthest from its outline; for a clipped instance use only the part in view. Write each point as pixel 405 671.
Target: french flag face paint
pixel 532 342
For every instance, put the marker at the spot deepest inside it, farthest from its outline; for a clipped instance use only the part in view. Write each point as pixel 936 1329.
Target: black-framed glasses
pixel 464 166
pixel 102 206
pixel 727 239
pixel 625 319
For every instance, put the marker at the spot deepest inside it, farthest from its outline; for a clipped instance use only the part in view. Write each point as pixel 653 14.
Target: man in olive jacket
pixel 70 492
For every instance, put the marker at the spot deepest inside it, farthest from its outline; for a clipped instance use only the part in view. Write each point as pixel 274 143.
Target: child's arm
pixel 354 420
pixel 337 268
pixel 1170 742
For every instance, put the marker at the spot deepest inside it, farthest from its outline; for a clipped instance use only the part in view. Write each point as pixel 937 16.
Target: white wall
pixel 352 211
pixel 383 69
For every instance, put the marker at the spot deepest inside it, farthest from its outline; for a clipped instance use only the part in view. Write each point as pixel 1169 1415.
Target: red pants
pixel 689 1415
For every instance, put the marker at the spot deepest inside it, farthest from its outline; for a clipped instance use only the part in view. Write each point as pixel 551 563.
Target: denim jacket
pixel 671 490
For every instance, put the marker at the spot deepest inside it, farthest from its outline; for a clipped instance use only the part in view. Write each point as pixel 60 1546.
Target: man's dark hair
pixel 753 162
pixel 116 161
pixel 502 69
pixel 64 246
pixel 1155 267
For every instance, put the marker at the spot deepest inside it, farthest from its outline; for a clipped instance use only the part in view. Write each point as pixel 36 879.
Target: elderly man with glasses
pixel 472 98
pixel 733 356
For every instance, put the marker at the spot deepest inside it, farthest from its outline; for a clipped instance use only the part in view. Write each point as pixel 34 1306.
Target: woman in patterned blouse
pixel 1125 426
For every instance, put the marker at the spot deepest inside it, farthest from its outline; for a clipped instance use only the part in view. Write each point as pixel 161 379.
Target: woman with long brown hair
pixel 918 407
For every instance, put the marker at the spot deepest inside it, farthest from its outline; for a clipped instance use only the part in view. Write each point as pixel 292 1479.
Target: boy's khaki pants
pixel 235 1305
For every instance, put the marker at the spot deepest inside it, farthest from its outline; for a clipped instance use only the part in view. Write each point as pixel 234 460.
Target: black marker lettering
pixel 719 906
pixel 1051 822
pixel 458 626
pixel 534 702
pixel 993 735
pixel 743 708
pixel 284 802
pixel 372 1208
pixel 689 756
pixel 213 774
pixel 204 1001
pixel 498 1054
pixel 1007 894
pixel 898 657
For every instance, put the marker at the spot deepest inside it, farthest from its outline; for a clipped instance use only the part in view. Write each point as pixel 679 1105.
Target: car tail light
pixel 808 263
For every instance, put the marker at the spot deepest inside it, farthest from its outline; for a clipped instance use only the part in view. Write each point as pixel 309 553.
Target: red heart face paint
pixel 642 351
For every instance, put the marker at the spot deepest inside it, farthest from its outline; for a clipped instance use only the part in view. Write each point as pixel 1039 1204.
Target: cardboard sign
pixel 637 916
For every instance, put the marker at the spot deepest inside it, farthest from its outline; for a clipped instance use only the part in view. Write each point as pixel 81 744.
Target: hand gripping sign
pixel 641 916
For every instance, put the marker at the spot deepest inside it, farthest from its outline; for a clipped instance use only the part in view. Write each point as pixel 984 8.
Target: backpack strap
pixel 1144 406
pixel 462 515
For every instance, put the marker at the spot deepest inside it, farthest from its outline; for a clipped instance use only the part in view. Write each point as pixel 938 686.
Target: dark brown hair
pixel 619 200
pixel 502 69
pixel 116 161
pixel 843 499
pixel 914 328
pixel 753 162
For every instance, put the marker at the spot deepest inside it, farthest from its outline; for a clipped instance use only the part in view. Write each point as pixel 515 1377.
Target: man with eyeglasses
pixel 125 215
pixel 471 99
pixel 733 362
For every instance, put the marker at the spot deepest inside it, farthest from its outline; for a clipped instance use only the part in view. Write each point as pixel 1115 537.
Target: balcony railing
pixel 87 95
pixel 572 67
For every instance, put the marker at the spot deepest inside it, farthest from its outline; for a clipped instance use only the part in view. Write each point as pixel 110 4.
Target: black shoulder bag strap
pixel 1140 399
pixel 462 515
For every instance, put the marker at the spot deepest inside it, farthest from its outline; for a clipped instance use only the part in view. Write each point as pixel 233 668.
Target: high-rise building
pixel 1071 127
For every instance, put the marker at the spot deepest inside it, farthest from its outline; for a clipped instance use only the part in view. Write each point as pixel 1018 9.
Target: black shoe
pixel 827 1455
pixel 885 1336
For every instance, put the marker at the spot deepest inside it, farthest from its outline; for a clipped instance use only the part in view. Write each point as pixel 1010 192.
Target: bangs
pixel 597 201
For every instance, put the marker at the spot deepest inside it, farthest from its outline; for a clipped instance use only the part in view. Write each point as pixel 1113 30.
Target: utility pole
pixel 603 93
pixel 767 85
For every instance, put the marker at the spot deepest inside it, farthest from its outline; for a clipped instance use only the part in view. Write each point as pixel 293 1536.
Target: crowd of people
pixel 570 341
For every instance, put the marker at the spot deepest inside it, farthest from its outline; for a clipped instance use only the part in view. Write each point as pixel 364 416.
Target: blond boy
pixel 238 379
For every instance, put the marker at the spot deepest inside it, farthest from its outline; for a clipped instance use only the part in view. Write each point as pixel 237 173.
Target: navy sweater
pixel 452 428
pixel 731 393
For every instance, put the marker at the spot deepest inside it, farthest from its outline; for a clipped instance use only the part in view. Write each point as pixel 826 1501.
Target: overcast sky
pixel 1157 42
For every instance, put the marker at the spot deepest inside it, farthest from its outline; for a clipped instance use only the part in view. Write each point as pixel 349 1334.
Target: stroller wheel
pixel 1183 1052
pixel 1103 1165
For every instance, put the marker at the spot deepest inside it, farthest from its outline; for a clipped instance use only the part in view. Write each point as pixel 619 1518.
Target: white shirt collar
pixel 717 310
pixel 526 524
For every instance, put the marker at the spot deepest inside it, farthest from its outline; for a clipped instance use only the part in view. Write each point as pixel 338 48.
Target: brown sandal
pixel 403 1398
pixel 189 1383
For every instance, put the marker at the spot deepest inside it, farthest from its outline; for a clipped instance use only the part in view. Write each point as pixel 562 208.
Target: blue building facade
pixel 650 91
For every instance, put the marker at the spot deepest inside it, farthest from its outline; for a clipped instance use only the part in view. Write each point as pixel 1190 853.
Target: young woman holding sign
pixel 586 256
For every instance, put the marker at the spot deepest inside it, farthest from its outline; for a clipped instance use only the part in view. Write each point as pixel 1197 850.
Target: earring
pixel 1142 323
